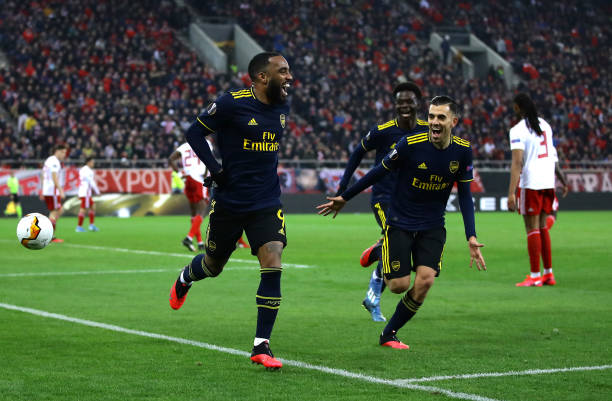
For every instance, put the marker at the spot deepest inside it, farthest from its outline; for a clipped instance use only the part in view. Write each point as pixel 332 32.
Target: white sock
pixel 189 238
pixel 184 281
pixel 258 341
pixel 548 271
pixel 535 275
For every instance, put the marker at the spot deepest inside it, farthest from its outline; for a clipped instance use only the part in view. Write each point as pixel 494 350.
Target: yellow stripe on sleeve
pixel 207 127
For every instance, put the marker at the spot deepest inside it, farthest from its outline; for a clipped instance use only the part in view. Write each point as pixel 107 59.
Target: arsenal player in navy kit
pixel 428 165
pixel 249 124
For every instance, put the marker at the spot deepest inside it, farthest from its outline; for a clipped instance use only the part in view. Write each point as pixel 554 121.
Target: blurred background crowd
pixel 116 79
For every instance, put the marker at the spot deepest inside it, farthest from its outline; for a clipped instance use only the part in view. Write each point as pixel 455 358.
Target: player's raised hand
pixel 475 254
pixel 334 205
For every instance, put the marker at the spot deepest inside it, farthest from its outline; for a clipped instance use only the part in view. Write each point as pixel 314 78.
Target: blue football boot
pixel 372 299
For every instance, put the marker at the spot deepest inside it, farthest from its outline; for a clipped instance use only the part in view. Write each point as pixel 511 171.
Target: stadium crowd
pixel 348 61
pixel 561 51
pixel 108 78
pixel 112 79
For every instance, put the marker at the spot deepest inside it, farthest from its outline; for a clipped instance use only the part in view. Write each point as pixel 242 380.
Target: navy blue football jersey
pixel 426 176
pixel 249 134
pixel 383 139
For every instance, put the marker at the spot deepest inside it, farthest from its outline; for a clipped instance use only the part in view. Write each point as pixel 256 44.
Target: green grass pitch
pixel 89 319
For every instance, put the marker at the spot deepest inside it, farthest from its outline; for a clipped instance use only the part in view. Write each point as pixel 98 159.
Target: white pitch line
pixel 303 365
pixel 96 272
pixel 501 374
pixel 180 255
pixel 157 253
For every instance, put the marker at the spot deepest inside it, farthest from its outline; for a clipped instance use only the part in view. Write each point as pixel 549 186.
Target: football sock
pixel 548 271
pixel 378 271
pixel 92 217
pixel 550 221
pixel 268 300
pixel 19 211
pixel 546 250
pixel 199 230
pixel 53 223
pixel 81 218
pixel 258 341
pixel 197 270
pixel 534 247
pixel 405 310
pixel 195 225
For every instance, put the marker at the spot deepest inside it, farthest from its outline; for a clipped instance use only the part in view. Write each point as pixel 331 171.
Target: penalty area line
pixel 232 351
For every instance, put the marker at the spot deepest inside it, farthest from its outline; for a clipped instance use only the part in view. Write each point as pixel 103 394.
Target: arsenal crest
pixel 453 166
pixel 282 120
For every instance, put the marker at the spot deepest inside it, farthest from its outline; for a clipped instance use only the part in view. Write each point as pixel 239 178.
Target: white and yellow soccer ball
pixel 35 231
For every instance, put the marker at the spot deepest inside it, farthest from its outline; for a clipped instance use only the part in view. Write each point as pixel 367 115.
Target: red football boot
pixel 366 256
pixel 530 282
pixel 549 279
pixel 392 341
pixel 178 293
pixel 262 355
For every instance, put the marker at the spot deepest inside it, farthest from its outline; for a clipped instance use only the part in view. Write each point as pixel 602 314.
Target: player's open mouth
pixel 285 88
pixel 436 132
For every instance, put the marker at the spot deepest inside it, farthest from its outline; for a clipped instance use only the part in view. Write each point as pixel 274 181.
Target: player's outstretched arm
pixel 350 168
pixel 335 204
pixel 475 254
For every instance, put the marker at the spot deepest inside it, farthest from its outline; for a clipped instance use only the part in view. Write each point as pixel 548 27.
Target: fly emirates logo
pixel 267 143
pixel 435 183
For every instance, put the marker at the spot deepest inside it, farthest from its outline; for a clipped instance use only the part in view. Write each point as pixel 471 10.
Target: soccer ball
pixel 34 231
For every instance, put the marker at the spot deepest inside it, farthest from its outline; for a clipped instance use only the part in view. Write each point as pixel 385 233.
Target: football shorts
pixel 380 214
pixel 53 202
pixel 403 251
pixel 225 227
pixel 534 202
pixel 194 190
pixel 86 202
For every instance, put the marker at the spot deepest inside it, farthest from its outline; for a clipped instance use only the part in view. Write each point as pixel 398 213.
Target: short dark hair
pixel 260 62
pixel 408 86
pixel 88 159
pixel 59 146
pixel 443 100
